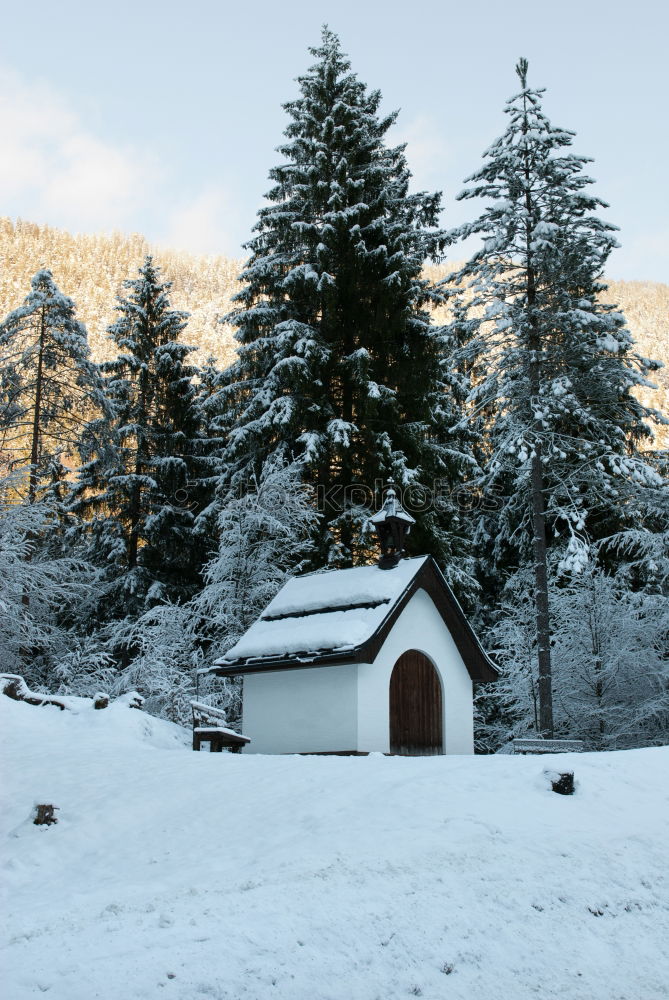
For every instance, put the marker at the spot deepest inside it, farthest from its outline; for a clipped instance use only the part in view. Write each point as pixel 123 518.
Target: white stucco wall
pixel 345 707
pixel 420 627
pixel 301 711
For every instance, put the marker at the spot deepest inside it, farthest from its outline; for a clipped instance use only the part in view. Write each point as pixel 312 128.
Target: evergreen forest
pixel 179 436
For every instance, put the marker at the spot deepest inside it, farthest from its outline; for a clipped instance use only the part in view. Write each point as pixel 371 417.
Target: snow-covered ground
pixel 191 876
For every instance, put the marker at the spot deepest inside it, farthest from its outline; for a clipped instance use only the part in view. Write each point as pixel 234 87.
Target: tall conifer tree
pixel 135 488
pixel 338 363
pixel 554 365
pixel 48 383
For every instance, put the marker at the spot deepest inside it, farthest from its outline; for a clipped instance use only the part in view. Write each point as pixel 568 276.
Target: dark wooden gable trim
pixel 428 578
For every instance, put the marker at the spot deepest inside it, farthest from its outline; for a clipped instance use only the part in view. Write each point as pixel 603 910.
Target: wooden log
pixel 15 687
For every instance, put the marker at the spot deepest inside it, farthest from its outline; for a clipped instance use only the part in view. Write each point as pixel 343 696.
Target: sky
pixel 163 118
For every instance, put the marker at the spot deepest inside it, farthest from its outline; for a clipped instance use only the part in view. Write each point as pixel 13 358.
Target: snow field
pixel 231 877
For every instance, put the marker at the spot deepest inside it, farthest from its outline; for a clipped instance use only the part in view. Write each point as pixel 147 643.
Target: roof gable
pixel 344 616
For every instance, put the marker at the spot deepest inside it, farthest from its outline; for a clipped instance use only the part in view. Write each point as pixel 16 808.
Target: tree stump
pixel 100 700
pixel 563 783
pixel 44 815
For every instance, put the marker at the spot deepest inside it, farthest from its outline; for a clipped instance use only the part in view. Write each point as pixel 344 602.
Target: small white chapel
pixel 354 661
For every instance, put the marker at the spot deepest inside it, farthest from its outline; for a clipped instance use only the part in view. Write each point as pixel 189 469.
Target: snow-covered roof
pixel 335 611
pixel 339 615
pixel 342 588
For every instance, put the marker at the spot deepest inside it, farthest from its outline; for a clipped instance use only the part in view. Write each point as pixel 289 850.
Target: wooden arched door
pixel 416 727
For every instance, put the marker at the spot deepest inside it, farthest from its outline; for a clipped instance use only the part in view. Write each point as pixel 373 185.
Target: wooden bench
pixel 547 746
pixel 209 727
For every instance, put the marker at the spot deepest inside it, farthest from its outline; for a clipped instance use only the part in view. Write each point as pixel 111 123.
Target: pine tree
pixel 639 551
pixel 48 384
pixel 338 364
pixel 134 491
pixel 213 422
pixel 554 365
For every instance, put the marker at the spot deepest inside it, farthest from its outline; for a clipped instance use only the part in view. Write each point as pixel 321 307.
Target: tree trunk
pixel 37 412
pixel 539 536
pixel 24 653
pixel 135 509
pixel 541 597
pixel 537 485
pixel 44 815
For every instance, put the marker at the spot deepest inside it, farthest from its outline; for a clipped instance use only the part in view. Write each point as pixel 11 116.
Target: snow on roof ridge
pixel 347 569
pixel 354 585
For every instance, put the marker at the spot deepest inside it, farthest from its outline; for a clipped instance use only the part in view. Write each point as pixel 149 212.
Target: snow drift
pixel 188 876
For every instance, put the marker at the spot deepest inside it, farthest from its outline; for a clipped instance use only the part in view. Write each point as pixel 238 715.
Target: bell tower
pixel 392 525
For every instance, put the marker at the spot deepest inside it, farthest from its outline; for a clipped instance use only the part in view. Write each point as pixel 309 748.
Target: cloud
pixel 203 223
pixel 55 170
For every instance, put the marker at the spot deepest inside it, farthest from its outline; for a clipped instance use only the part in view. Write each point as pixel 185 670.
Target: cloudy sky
pixel 163 117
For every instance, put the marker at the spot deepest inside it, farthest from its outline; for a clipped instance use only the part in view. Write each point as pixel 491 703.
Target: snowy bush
pixel 36 592
pixel 611 673
pixel 264 537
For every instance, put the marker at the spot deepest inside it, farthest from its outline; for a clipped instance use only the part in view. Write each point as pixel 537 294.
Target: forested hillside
pixel 91 269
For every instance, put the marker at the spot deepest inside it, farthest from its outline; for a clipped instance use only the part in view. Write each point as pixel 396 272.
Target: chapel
pixel 370 659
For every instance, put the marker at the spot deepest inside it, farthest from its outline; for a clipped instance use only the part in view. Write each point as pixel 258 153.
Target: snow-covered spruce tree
pixel 640 551
pixel 338 364
pixel 555 366
pixel 48 384
pixel 213 422
pixel 135 488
